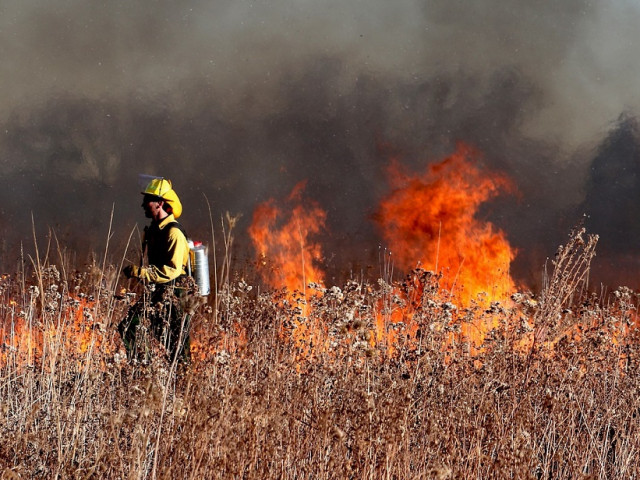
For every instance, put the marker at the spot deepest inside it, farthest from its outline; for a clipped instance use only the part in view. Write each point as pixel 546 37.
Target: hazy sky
pixel 580 55
pixel 240 100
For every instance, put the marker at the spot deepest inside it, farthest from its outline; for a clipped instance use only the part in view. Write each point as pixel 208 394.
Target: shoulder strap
pixel 177 225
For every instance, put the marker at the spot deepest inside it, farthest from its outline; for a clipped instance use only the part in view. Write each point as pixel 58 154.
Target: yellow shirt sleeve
pixel 179 253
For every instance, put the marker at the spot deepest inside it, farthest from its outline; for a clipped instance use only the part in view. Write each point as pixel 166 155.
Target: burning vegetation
pixel 444 371
pixel 430 220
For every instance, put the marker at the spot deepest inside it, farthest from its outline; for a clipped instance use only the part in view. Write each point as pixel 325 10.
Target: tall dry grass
pixel 552 393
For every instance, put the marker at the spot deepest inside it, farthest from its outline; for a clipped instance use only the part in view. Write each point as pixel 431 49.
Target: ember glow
pixel 69 330
pixel 430 220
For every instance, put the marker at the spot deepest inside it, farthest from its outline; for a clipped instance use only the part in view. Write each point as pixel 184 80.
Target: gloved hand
pixel 131 271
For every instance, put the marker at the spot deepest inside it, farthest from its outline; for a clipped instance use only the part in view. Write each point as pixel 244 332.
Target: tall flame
pixel 431 219
pixel 282 236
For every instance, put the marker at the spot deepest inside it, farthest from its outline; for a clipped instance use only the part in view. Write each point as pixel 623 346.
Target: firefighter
pixel 167 252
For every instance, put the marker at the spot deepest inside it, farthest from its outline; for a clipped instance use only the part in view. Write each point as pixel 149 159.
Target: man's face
pixel 152 206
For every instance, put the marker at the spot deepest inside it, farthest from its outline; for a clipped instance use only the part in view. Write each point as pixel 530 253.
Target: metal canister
pixel 200 267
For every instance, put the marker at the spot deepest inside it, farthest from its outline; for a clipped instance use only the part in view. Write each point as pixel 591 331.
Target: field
pixel 374 379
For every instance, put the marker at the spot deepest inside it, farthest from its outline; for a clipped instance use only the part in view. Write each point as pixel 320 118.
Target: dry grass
pixel 552 393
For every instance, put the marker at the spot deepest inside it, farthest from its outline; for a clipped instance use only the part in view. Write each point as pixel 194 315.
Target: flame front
pixel 428 220
pixel 431 219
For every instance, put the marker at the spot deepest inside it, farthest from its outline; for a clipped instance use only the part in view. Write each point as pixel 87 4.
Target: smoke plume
pixel 237 102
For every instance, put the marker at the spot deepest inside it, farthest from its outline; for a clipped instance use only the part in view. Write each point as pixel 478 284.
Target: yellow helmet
pixel 160 187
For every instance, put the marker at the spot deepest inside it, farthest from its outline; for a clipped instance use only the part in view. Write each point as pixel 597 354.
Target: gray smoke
pixel 237 102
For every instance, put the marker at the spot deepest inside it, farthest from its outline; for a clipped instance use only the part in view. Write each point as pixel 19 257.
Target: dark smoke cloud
pixel 237 102
pixel 611 203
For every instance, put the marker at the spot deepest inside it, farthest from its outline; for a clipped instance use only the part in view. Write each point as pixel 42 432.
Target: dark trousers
pixel 158 314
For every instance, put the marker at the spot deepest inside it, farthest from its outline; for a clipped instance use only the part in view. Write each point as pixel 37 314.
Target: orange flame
pixel 282 236
pixel 28 335
pixel 431 220
pixel 283 241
